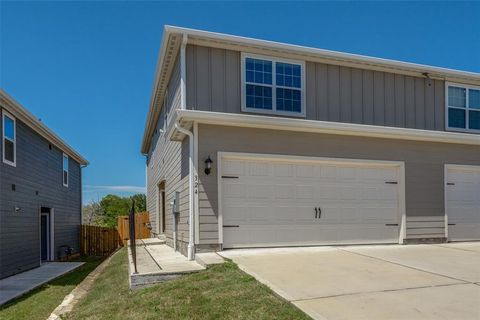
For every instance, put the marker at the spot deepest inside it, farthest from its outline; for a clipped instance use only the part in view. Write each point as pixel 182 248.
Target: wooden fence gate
pixel 142 230
pixel 98 241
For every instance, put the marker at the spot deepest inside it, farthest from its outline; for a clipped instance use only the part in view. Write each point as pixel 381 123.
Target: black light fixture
pixel 208 165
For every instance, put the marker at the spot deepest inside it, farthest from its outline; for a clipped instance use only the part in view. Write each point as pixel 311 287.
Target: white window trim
pixel 274 111
pixel 14 163
pixel 65 169
pixel 467 108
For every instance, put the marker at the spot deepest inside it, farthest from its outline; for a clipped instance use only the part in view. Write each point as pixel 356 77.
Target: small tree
pixel 112 207
pixel 140 202
pixel 91 213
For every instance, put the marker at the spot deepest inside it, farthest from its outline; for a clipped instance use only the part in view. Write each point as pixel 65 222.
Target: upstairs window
pixel 65 170
pixel 463 108
pixel 273 86
pixel 9 149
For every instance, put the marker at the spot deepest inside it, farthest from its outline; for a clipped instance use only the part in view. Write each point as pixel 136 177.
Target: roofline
pixel 326 53
pixel 22 114
pixel 186 117
pixel 360 61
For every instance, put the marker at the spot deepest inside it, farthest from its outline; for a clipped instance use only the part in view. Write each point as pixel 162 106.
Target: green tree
pixel 112 207
pixel 140 202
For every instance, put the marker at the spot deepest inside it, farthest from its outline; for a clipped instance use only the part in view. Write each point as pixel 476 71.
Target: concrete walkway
pixel 372 282
pixel 19 284
pixel 157 262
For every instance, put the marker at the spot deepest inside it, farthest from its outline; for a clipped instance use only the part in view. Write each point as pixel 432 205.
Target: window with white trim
pixel 463 108
pixel 65 170
pixel 9 150
pixel 274 86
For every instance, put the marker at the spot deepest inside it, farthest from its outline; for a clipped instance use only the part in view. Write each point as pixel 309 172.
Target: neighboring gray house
pixel 41 188
pixel 308 146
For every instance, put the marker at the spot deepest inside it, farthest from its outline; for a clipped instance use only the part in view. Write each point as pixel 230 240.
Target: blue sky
pixel 86 68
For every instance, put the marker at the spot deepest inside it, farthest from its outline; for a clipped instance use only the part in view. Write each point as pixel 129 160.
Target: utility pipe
pixel 191 244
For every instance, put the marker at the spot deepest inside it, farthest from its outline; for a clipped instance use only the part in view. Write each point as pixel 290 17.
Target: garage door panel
pixel 283 170
pixel 234 191
pixel 233 167
pixel 305 171
pixel 463 202
pixel 277 203
pixel 256 236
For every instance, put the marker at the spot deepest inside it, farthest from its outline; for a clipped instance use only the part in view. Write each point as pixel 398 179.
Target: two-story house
pixel 270 144
pixel 40 191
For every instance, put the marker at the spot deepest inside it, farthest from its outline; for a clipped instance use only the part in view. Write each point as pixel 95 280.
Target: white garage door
pixel 274 202
pixel 463 202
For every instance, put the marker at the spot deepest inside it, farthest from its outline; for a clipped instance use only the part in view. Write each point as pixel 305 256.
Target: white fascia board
pixel 326 127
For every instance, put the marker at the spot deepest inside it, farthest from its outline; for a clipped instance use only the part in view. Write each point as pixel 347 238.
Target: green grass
pixel 39 303
pixel 220 292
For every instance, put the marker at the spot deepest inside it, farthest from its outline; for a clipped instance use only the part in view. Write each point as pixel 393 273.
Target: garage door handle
pixel 452 224
pixel 229 177
pixel 391 224
pixel 231 226
pixel 316 213
pixel 391 182
pixel 450 183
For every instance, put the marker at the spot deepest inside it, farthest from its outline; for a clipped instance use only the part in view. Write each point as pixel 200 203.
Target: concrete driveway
pixel 372 282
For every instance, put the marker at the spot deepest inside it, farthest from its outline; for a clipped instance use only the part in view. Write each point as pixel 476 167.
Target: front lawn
pixel 39 303
pixel 220 292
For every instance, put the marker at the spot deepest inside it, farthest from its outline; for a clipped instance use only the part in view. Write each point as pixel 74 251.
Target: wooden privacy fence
pixel 142 230
pixel 98 241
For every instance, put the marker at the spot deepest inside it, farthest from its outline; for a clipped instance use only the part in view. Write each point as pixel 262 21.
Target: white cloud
pixel 103 189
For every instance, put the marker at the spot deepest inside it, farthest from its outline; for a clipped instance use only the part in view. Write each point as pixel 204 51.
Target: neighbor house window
pixel 463 108
pixel 274 86
pixel 9 150
pixel 65 170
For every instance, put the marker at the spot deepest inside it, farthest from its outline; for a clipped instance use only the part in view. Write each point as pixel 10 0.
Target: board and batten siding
pixel 168 161
pixel 38 169
pixel 424 168
pixel 333 93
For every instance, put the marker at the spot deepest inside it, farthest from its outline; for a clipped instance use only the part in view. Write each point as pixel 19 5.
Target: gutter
pixel 326 127
pixel 191 244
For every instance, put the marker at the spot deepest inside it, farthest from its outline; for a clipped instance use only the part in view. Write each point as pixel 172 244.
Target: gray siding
pixel 38 169
pixel 333 93
pixel 424 166
pixel 168 161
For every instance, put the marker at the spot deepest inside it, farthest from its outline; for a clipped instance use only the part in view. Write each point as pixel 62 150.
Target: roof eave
pixel 29 119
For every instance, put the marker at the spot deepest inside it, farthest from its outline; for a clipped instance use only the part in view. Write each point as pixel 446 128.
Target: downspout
pixel 183 102
pixel 191 244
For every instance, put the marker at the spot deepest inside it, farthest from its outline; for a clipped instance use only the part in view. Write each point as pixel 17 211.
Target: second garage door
pixel 463 202
pixel 275 201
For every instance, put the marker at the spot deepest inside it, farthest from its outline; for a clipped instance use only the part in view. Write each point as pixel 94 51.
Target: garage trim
pixel 278 157
pixel 446 168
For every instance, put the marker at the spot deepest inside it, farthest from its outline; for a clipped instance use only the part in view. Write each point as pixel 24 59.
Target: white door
pixel 462 194
pixel 275 202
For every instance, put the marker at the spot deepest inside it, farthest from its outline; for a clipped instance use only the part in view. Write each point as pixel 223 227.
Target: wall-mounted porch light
pixel 208 165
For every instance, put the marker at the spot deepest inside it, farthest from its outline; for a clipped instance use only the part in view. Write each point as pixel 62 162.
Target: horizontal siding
pixel 422 227
pixel 38 182
pixel 333 93
pixel 424 168
pixel 168 161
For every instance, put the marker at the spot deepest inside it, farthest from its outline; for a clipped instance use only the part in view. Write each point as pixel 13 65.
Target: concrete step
pixel 207 259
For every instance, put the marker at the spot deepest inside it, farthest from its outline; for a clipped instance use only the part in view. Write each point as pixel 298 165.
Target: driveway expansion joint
pixel 386 290
pixel 407 266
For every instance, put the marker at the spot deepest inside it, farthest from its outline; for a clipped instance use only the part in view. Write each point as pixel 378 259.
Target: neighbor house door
pixel 44 236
